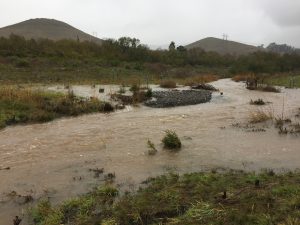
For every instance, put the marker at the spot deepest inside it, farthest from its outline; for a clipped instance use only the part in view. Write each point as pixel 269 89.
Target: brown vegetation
pixel 260 116
pixel 168 84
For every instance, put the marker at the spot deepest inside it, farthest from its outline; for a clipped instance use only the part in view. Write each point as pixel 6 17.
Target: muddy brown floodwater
pixel 53 159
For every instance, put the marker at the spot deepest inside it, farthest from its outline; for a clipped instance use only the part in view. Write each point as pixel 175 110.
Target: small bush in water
pixel 149 93
pixel 152 150
pixel 257 102
pixel 171 140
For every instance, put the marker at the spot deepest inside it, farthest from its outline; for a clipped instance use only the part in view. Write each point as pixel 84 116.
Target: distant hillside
pixel 46 28
pixel 223 47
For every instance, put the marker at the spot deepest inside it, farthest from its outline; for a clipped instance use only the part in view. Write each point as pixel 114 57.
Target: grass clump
pixel 31 106
pixel 260 116
pixel 257 102
pixel 168 84
pixel 189 199
pixel 171 140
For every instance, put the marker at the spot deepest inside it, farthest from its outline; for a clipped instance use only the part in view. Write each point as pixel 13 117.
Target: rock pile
pixel 164 99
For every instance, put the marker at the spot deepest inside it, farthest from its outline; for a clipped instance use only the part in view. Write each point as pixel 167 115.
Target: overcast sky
pixel 157 22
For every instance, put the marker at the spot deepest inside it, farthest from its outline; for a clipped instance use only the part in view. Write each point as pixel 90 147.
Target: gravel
pixel 165 99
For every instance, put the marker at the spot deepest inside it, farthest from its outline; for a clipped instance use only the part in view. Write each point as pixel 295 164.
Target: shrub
pixel 134 88
pixel 168 84
pixel 171 140
pixel 149 93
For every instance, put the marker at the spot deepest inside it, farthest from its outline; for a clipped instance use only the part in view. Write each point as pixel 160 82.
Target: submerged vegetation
pixel 21 105
pixel 230 198
pixel 151 148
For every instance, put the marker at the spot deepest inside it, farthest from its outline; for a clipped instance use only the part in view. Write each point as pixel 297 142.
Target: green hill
pixel 46 28
pixel 223 47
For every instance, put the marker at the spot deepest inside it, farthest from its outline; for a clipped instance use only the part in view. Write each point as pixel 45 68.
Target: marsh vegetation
pixel 198 198
pixel 24 105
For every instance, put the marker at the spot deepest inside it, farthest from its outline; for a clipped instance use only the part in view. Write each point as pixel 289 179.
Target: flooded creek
pixel 53 159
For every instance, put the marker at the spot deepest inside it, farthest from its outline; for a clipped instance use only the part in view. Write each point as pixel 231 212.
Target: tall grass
pixel 260 116
pixel 18 105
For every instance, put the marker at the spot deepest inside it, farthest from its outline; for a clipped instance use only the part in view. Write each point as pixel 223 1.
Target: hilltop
pixel 46 28
pixel 223 47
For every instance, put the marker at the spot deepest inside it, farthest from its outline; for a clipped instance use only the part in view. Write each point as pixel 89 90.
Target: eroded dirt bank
pixel 54 159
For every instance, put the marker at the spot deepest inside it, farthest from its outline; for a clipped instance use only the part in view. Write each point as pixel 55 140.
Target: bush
pixel 168 84
pixel 171 140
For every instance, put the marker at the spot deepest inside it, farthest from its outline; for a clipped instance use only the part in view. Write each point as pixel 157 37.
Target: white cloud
pixel 160 21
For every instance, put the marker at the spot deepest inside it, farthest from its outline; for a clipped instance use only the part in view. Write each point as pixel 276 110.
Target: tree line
pixel 127 49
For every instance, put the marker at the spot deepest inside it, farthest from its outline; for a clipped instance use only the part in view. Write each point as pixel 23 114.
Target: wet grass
pixel 230 198
pixel 18 105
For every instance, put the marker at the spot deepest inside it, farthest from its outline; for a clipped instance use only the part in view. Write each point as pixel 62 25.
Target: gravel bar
pixel 165 99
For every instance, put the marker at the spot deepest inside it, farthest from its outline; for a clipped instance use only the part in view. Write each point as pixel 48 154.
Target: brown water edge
pixel 44 158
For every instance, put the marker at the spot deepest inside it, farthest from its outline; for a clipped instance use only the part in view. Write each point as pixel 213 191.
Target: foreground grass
pixel 27 106
pixel 233 198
